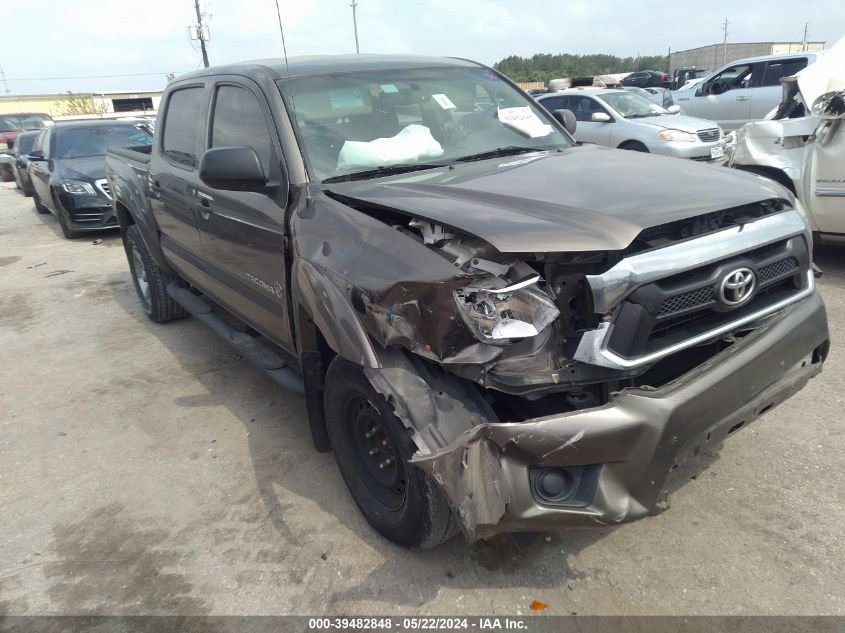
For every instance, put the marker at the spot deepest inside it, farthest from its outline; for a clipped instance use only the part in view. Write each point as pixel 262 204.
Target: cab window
pixel 182 125
pixel 239 120
pixel 777 69
pixel 738 76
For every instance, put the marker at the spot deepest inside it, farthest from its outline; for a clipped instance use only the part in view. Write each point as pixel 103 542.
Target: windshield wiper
pixel 384 170
pixel 510 150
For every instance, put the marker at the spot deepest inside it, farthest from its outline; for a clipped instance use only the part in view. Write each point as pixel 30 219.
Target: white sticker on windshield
pixel 388 88
pixel 524 120
pixel 444 101
pixel 346 98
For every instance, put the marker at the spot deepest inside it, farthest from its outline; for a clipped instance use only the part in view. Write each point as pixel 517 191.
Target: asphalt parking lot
pixel 146 469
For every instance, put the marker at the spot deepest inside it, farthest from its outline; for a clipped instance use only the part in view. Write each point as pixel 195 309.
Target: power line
pixel 164 72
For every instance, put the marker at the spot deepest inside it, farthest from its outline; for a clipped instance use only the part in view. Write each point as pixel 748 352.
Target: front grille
pixel 103 186
pixel 685 301
pixel 668 311
pixel 777 270
pixel 708 136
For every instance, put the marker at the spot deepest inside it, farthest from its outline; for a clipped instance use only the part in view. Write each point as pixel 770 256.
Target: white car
pixel 741 91
pixel 802 145
pixel 624 119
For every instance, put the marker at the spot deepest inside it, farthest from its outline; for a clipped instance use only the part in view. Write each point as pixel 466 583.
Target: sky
pixel 51 46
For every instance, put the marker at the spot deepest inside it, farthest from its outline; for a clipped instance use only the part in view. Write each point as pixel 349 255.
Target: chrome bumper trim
pixel 611 287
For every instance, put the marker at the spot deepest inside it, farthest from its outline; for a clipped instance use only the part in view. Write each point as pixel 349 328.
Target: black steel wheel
pixel 372 449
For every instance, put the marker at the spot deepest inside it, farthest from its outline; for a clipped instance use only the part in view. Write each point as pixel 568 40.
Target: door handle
pixel 204 206
pixel 744 98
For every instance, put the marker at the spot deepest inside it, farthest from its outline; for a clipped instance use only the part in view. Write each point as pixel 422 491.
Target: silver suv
pixel 741 91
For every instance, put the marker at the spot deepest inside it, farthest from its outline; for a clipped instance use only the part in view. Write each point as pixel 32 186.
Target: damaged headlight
pixel 498 312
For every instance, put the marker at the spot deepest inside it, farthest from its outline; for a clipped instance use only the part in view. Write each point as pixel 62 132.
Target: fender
pixel 330 310
pixel 141 217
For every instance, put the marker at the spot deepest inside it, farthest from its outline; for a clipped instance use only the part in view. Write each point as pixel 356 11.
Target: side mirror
pixel 36 156
pixel 232 169
pixel 673 109
pixel 600 117
pixel 566 119
pixel 830 106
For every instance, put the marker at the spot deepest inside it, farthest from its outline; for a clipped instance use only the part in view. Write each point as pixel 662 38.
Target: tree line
pixel 545 66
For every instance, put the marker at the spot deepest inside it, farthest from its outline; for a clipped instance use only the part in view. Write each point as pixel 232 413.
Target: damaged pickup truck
pixel 494 329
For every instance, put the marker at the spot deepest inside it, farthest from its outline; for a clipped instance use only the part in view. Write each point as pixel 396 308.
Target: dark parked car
pixel 12 125
pixel 68 173
pixel 493 328
pixel 23 145
pixel 647 79
pixel 535 92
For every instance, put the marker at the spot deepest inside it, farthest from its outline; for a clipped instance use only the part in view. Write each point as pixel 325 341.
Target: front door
pixel 725 98
pixel 243 232
pixel 587 130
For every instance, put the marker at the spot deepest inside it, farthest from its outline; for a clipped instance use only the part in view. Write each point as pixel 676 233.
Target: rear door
pixel 725 97
pixel 174 179
pixel 766 95
pixel 243 232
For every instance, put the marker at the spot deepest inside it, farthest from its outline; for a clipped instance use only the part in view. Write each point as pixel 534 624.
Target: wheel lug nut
pixel 387 462
pixel 370 433
pixel 373 451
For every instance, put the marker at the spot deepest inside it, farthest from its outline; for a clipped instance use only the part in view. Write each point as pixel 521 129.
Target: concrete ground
pixel 146 469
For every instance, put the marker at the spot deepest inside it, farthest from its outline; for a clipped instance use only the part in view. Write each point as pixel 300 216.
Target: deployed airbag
pixel 412 144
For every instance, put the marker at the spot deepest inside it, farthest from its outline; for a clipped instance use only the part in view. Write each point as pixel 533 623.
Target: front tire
pixel 373 450
pixel 150 281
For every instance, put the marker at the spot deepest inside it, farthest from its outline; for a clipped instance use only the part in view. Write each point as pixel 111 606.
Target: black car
pixel 23 145
pixel 68 174
pixel 647 79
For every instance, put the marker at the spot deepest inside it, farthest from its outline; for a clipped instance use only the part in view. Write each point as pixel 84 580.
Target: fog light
pixel 565 486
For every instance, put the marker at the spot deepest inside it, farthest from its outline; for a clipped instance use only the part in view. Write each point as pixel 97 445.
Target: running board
pixel 256 351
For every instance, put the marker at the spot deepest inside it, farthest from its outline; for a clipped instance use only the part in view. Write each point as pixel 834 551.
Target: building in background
pixel 714 56
pixel 84 104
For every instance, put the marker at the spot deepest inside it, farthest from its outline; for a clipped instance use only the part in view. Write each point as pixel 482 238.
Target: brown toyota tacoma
pixel 494 329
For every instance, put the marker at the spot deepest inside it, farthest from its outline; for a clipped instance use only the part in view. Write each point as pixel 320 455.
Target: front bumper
pixel 88 213
pixel 696 150
pixel 636 438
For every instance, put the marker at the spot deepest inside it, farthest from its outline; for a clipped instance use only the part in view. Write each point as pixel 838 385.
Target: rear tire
pixel 372 449
pixel 150 281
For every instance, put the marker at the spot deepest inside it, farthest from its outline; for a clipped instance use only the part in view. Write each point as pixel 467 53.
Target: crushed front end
pixel 563 387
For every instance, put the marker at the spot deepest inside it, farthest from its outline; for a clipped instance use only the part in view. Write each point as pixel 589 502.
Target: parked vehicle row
pixel 11 126
pixel 20 160
pixel 494 328
pixel 66 172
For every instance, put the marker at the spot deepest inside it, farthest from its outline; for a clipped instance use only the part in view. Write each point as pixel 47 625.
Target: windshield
pixel 24 143
pixel 405 119
pixel 10 123
pixel 76 142
pixel 629 105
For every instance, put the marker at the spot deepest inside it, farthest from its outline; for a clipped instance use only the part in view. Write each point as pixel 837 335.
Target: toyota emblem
pixel 737 287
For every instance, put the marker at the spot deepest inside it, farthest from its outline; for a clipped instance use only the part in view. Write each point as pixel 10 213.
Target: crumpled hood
pixel 826 75
pixel 678 122
pixel 587 198
pixel 86 168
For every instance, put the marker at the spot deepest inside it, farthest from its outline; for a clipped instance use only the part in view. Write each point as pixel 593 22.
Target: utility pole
pixel 804 41
pixel 354 6
pixel 3 79
pixel 201 34
pixel 725 42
